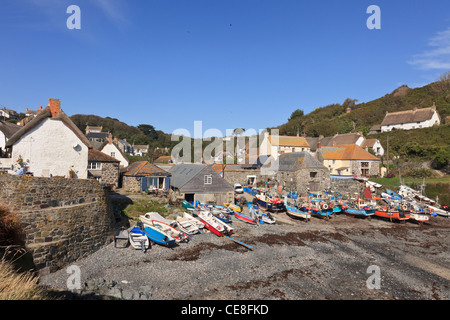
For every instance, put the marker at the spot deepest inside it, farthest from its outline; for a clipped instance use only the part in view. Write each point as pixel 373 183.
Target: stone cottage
pixel 300 172
pixel 51 145
pixel 103 168
pixel 143 175
pixel 347 160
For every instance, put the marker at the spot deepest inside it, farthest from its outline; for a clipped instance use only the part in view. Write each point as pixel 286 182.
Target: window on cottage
pixel 94 165
pixel 364 164
pixel 313 174
pixel 113 154
pixel 207 179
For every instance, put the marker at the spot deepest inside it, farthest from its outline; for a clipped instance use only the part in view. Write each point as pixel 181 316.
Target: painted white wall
pixel 2 140
pixel 52 148
pixel 378 148
pixel 414 125
pixel 113 151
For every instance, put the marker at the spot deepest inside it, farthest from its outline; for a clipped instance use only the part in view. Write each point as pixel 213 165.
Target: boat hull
pixel 297 214
pixel 244 218
pixel 359 213
pixel 215 225
pixel 138 239
pixel 158 236
pixel 270 206
pixel 393 215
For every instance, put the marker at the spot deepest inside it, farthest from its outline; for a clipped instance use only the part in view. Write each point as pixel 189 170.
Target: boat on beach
pixel 138 239
pixel 158 236
pixel 187 225
pixel 171 231
pixel 214 225
pixel 295 213
pixel 393 214
pixel 243 217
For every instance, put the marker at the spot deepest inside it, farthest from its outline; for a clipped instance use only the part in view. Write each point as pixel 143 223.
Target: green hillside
pixel 332 119
pixel 142 134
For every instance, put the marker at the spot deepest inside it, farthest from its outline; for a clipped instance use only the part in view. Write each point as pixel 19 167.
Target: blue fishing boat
pixel 296 213
pixel 221 216
pixel 318 209
pixel 361 213
pixel 157 236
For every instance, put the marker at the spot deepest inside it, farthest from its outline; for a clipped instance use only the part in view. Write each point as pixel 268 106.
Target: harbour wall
pixel 61 219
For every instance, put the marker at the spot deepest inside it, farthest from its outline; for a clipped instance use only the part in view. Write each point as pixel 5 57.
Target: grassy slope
pixel 331 119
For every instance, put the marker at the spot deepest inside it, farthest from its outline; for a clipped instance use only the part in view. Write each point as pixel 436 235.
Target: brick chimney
pixel 55 107
pixel 110 138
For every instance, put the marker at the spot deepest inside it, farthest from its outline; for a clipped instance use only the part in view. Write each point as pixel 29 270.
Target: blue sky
pixel 228 63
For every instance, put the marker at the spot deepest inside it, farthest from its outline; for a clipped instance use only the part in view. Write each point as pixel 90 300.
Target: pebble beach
pixel 290 260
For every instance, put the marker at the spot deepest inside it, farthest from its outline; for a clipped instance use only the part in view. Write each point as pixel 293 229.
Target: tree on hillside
pixel 296 114
pixel 148 130
pixel 349 102
pixel 445 76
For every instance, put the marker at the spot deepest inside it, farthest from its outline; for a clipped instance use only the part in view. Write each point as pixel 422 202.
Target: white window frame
pixel 98 165
pixel 207 179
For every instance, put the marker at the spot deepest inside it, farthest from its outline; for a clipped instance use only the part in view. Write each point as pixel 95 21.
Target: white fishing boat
pixel 150 216
pixel 440 212
pixel 191 218
pixel 138 239
pixel 187 225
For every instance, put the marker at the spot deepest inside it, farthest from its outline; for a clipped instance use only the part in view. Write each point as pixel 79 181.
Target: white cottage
pixel 111 148
pixel 411 119
pixel 51 145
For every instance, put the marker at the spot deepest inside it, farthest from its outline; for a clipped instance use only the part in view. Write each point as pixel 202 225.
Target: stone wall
pixel 305 180
pixel 347 187
pixel 62 219
pixel 133 184
pixel 241 176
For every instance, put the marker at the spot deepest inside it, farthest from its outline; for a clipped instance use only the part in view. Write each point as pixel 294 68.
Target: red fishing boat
pixel 214 225
pixel 245 218
pixel 401 214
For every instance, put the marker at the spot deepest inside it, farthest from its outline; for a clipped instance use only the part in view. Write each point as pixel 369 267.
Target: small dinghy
pixel 171 231
pixel 158 236
pixel 295 213
pixel 268 218
pixel 214 225
pixel 244 217
pixel 187 225
pixel 221 216
pixel 191 218
pixel 138 239
pixel 121 237
pixel 150 216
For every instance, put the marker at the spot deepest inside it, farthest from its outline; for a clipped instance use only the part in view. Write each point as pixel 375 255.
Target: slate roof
pixel 342 139
pixel 98 156
pixel 145 169
pixel 183 173
pixel 409 116
pixel 97 135
pixel 294 161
